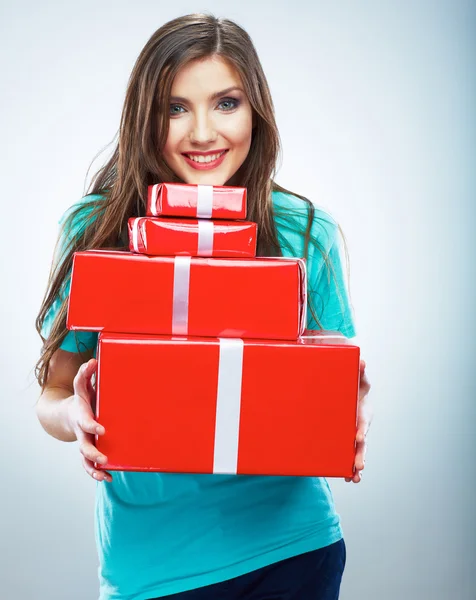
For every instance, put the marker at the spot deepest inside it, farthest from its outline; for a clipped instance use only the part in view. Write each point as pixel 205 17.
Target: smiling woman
pixel 197 110
pixel 211 123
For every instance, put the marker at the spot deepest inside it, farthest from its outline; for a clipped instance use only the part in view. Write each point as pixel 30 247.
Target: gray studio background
pixel 375 103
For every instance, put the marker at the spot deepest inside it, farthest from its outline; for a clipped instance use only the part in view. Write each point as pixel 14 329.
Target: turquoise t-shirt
pixel 164 533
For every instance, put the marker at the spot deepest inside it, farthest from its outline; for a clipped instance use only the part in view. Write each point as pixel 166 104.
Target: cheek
pixel 239 131
pixel 174 136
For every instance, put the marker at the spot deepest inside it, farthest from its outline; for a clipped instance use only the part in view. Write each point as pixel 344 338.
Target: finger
pixel 95 473
pixel 360 436
pixel 90 452
pixel 90 387
pixel 363 421
pixel 362 425
pixel 356 478
pixel 360 457
pixel 364 389
pixel 86 424
pixel 87 369
pixel 84 374
pixel 92 396
pixel 359 462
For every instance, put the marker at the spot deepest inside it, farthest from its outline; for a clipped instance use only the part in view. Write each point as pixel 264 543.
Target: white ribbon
pixel 204 201
pixel 153 199
pixel 227 428
pixel 180 295
pixel 135 235
pixel 205 238
pixel 144 236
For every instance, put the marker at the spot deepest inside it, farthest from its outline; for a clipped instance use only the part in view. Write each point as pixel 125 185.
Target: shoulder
pixel 291 216
pixel 77 217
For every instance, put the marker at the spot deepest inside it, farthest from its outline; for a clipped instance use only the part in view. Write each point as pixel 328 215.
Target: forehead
pixel 205 76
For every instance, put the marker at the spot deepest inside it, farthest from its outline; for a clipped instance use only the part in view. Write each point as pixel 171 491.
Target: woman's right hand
pixel 81 418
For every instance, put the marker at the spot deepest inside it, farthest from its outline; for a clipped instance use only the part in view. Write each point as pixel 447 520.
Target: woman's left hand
pixel 364 418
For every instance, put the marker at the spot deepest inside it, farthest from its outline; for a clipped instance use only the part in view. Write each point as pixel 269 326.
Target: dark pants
pixel 314 575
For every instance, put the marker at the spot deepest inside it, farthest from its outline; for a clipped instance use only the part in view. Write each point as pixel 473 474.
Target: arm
pixel 55 401
pixel 335 312
pixel 65 407
pixel 364 418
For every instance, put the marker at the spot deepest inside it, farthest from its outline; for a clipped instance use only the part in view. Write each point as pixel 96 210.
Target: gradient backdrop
pixel 375 103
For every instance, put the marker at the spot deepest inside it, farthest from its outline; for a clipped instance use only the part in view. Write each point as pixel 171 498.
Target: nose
pixel 203 130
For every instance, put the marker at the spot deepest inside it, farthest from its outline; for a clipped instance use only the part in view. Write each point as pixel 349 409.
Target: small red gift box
pixel 193 237
pixel 183 295
pixel 199 201
pixel 208 405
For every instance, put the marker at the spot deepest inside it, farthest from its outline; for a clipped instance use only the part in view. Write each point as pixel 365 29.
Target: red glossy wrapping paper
pixel 193 237
pixel 199 201
pixel 159 401
pixel 195 296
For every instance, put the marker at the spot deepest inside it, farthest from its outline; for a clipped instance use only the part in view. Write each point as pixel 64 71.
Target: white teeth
pixel 205 159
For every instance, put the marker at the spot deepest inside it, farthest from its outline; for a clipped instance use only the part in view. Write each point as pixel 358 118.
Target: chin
pixel 207 178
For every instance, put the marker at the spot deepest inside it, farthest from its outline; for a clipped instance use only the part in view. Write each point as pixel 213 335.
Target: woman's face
pixel 210 123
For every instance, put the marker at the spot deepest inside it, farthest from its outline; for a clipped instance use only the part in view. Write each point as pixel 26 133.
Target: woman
pixel 197 110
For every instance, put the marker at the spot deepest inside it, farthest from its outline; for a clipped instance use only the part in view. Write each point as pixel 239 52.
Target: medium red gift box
pixel 209 405
pixel 199 201
pixel 183 295
pixel 193 237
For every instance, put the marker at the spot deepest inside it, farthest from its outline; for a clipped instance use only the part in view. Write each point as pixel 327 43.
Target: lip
pixel 207 153
pixel 206 166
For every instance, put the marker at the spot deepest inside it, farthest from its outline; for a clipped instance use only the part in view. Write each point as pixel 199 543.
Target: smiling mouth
pixel 204 159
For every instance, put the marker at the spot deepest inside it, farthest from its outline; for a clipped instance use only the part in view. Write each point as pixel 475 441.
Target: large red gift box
pixel 183 295
pixel 208 405
pixel 199 201
pixel 193 237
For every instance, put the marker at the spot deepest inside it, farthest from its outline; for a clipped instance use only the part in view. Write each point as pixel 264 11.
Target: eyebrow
pixel 212 97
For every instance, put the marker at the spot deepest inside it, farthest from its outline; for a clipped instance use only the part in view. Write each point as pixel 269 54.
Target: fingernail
pixel 95 475
pixel 100 430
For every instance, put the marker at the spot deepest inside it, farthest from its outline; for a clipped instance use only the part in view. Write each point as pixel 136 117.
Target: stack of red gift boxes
pixel 202 362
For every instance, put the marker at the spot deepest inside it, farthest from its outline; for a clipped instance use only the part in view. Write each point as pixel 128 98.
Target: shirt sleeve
pixel 328 291
pixel 75 341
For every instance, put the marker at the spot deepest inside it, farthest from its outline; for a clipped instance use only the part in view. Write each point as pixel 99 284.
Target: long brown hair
pixel 119 189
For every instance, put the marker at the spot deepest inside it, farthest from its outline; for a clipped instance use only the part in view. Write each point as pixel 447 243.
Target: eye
pixel 228 104
pixel 176 109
